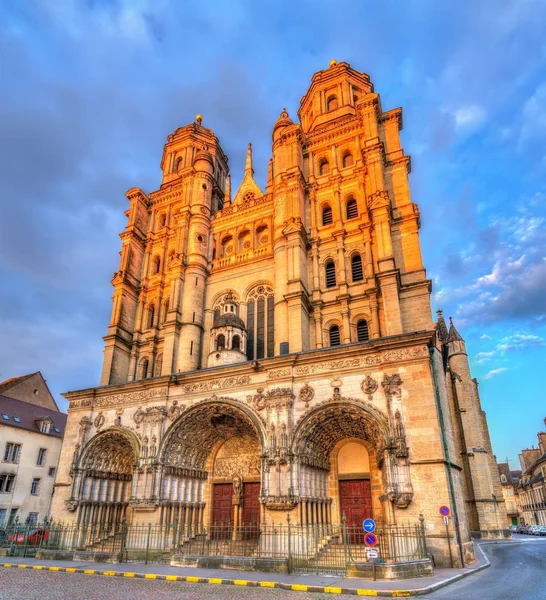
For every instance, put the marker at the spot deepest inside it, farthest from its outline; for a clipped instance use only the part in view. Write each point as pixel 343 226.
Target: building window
pixel 44 427
pixel 5 417
pixel 16 419
pixel 156 265
pixel 356 267
pixel 32 518
pixel 362 334
pixel 7 483
pixel 221 342
pixel 324 167
pixel 331 103
pixel 327 215
pixel 352 209
pixel 236 342
pixel 165 309
pixel 151 316
pixel 335 338
pixel 144 368
pixel 35 486
pixel 3 514
pixel 347 160
pixel 162 220
pixel 260 342
pixel 51 471
pixel 41 457
pixel 330 270
pixel 12 452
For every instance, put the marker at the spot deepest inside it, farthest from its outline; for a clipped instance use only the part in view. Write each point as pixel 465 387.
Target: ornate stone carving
pixel 85 424
pixel 404 354
pixel 109 455
pixel 307 393
pixel 84 402
pixel 285 503
pixel 71 505
pixel 216 384
pixel 278 373
pixel 399 436
pixel 369 386
pixel 130 397
pixel 152 414
pixel 391 385
pixel 99 421
pixel 174 410
pixel 275 398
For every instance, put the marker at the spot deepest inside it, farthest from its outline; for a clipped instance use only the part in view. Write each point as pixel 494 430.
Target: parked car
pixel 520 528
pixel 33 538
pixel 532 529
pixel 514 528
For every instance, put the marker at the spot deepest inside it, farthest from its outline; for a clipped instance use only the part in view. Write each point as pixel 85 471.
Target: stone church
pixel 273 352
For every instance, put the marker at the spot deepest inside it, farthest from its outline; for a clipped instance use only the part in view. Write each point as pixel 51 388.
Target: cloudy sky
pixel 90 90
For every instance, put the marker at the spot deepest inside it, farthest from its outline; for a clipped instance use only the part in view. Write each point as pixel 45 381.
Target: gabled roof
pixel 29 415
pixel 248 184
pixel 9 383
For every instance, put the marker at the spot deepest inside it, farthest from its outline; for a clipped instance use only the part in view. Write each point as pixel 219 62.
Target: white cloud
pixel 495 372
pixel 468 117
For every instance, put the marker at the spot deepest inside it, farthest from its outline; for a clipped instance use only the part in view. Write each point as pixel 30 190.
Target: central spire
pixel 248 166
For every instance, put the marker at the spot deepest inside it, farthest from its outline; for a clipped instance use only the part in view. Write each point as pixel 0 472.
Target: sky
pixel 89 91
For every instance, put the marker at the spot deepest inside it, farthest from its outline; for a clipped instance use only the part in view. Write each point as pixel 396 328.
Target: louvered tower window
pixel 335 338
pixel 327 218
pixel 352 209
pixel 330 274
pixel 362 331
pixel 356 267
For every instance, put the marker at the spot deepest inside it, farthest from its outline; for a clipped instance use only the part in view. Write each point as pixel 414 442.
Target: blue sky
pixel 91 89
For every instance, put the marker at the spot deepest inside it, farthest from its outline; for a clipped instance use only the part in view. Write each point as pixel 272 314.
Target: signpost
pixel 370 539
pixel 444 511
pixel 369 525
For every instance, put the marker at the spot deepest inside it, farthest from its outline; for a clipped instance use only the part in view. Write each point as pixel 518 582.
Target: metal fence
pixel 327 548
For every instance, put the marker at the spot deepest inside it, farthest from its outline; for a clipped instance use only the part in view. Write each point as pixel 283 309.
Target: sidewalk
pixel 305 583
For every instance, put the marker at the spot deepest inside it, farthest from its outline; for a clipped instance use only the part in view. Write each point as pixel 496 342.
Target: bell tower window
pixel 356 268
pixel 260 323
pixel 327 218
pixel 324 167
pixel 362 334
pixel 330 270
pixel 347 160
pixel 335 338
pixel 331 103
pixel 352 209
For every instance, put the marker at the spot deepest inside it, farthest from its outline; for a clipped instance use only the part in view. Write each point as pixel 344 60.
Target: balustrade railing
pixel 323 548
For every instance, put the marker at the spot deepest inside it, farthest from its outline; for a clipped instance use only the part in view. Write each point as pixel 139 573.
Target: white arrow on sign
pixel 373 553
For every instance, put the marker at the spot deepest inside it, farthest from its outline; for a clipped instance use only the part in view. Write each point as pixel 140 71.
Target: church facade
pixel 273 352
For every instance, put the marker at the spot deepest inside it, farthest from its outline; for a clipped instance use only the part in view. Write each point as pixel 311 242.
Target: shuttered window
pixel 362 331
pixel 356 267
pixel 327 218
pixel 352 209
pixel 335 339
pixel 330 274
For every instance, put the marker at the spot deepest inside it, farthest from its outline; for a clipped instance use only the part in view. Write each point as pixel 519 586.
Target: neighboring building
pixel 508 486
pixel 284 339
pixel 31 433
pixel 532 484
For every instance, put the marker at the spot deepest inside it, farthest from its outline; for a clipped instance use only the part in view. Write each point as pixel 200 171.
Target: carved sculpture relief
pixel 99 421
pixel 369 386
pixel 152 415
pixel 307 393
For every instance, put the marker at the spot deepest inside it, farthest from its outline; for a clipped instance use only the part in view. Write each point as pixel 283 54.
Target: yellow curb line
pixel 213 580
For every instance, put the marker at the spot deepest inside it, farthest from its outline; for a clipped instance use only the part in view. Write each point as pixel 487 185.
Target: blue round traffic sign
pixel 369 525
pixel 444 511
pixel 370 539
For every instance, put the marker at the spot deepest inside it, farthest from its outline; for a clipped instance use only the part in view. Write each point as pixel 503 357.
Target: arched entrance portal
pixel 106 471
pixel 212 467
pixel 341 447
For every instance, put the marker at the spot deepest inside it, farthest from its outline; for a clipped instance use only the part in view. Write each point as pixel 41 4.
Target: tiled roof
pixel 8 383
pixel 28 414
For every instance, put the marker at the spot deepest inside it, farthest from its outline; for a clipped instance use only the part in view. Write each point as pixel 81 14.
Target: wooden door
pixel 222 509
pixel 251 503
pixel 355 498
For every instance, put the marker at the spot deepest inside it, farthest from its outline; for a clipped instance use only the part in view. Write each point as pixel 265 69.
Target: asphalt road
pixel 518 572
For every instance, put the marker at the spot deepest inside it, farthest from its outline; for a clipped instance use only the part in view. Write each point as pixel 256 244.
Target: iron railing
pixel 326 548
